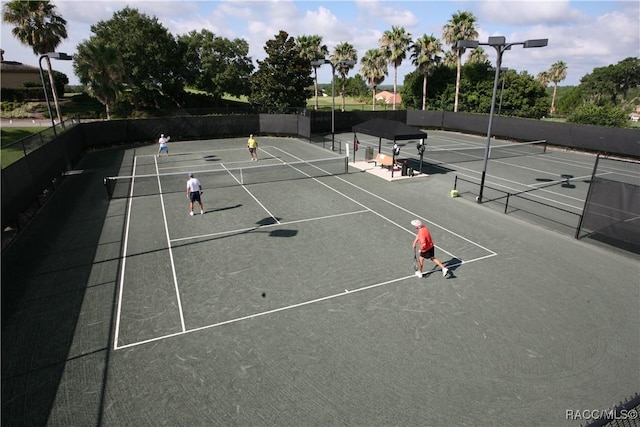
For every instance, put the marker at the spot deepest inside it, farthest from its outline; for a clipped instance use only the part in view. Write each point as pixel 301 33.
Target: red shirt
pixel 424 239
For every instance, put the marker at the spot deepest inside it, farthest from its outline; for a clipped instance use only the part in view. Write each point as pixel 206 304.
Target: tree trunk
pixel 395 85
pixel 424 92
pixel 373 99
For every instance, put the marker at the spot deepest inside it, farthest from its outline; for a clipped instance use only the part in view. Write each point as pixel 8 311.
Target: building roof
pixel 388 97
pixel 389 129
pixel 17 67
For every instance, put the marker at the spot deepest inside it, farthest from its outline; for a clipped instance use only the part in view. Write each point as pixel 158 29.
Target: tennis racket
pixel 415 259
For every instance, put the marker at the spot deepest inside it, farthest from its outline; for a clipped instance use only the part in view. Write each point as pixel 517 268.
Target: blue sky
pixel 583 34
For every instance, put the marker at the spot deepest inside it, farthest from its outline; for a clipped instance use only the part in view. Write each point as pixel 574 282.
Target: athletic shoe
pixel 201 212
pixel 419 273
pixel 445 271
pixel 191 213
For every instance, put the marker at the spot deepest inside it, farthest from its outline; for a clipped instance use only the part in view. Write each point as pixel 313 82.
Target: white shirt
pixel 193 185
pixel 163 142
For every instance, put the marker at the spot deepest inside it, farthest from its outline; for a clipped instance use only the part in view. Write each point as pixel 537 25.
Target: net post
pixel 506 204
pixel 586 200
pixel 105 181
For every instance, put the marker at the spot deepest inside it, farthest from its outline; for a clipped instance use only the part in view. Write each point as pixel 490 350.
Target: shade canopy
pixel 389 129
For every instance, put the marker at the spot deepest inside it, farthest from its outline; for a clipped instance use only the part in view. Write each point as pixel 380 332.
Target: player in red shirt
pixel 427 248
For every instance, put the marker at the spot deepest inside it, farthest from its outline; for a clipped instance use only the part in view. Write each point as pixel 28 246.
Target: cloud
pixel 512 12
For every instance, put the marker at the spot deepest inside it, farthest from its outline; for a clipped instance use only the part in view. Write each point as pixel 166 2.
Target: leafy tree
pixel 461 26
pixel 355 86
pixel 312 49
pixel 569 100
pixel 394 45
pixel 39 26
pixel 100 68
pixel 215 64
pixel 426 56
pixel 343 52
pixel 523 96
pixel 606 83
pixel 605 115
pixel 373 67
pixel 283 78
pixel 557 73
pixel 628 75
pixel 150 55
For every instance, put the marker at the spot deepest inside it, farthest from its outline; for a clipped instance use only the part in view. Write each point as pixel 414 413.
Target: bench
pixel 384 160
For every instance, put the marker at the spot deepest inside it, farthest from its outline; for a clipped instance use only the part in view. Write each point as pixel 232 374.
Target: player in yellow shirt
pixel 252 144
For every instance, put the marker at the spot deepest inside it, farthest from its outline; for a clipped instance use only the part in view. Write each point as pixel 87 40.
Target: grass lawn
pixel 11 152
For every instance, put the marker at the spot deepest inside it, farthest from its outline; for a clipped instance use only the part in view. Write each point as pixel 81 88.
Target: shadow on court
pixel 55 295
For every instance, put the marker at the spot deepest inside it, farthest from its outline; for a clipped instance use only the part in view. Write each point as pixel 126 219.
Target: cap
pixel 190 174
pixel 416 223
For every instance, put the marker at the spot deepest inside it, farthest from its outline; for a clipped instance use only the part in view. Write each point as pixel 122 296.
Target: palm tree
pixel 543 78
pixel 557 73
pixel 477 56
pixel 450 59
pixel 461 26
pixel 343 52
pixel 373 67
pixel 37 25
pixel 311 48
pixel 426 56
pixel 394 45
pixel 100 68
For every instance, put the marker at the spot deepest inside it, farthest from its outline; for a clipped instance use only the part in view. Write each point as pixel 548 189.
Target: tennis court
pixel 292 300
pixel 269 229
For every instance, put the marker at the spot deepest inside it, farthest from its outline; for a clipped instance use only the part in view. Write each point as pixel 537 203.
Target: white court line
pixel 124 260
pixel 252 196
pixel 287 307
pixel 173 264
pixel 248 229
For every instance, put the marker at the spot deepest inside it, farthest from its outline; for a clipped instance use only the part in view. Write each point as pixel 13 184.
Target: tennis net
pixel 496 152
pixel 119 187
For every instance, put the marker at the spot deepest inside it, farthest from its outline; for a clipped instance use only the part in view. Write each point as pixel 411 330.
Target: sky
pixel 582 34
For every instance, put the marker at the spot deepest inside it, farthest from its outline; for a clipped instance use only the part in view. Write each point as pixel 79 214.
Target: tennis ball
pixel 454 193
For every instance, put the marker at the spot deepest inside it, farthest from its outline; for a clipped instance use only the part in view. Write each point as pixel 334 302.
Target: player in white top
pixel 163 144
pixel 194 189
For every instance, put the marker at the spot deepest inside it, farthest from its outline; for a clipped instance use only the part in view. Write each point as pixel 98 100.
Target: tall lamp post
pixel 55 55
pixel 500 44
pixel 333 93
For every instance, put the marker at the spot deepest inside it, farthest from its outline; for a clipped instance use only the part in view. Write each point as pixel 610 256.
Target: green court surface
pixel 292 300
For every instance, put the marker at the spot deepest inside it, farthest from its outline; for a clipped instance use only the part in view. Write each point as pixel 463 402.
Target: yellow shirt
pixel 252 143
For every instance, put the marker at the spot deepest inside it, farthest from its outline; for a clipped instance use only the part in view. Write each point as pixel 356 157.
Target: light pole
pixel 333 93
pixel 500 44
pixel 55 55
